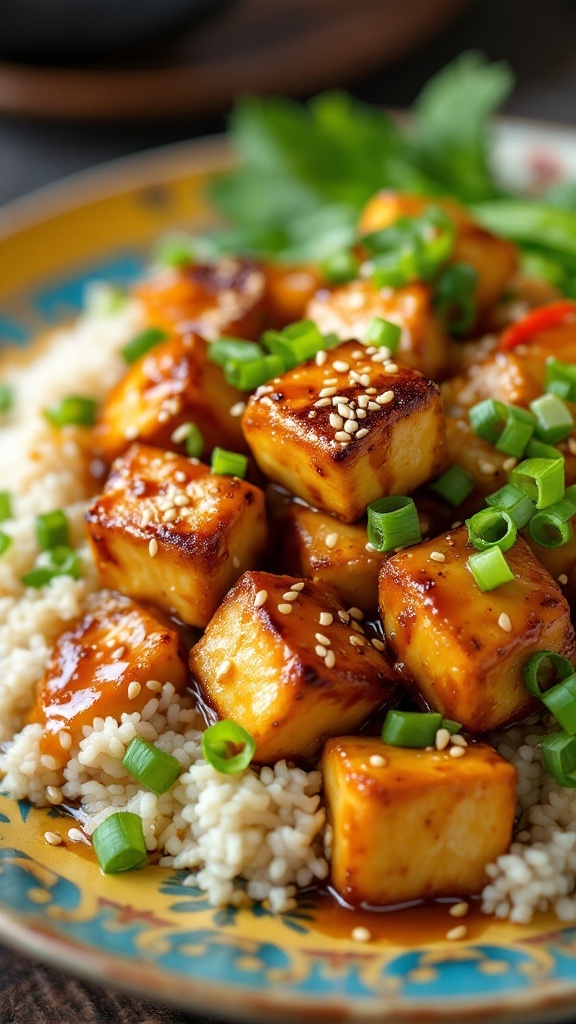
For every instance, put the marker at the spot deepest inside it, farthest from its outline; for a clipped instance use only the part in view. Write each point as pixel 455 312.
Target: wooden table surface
pixel 539 39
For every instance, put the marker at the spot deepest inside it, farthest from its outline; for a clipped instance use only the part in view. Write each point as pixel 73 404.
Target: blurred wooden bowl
pixel 293 47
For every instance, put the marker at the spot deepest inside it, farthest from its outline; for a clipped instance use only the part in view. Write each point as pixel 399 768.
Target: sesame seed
pixel 133 689
pixel 261 598
pixel 345 411
pixel 391 368
pixel 323 639
pixel 351 426
pixel 321 651
pixel 363 401
pixel 458 909
pixel 458 741
pixel 505 622
pixel 437 556
pixel 52 838
pixel 285 609
pixel 130 433
pixel 180 434
pixel 355 377
pixel 237 409
pixel 362 433
pixel 154 685
pixel 54 794
pixel 487 468
pixel 371 391
pixel 563 579
pixel 336 421
pixel 360 414
pixel 330 659
pixel 326 618
pixel 180 476
pixel 50 762
pixel 356 613
pixel 441 739
pixel 509 464
pixel 377 761
pixel 340 366
pixel 65 740
pixel 337 399
pixel 358 354
pixel 385 398
pixel 331 540
pixel 163 416
pixel 321 357
pixel 369 547
pixel 170 515
pixel 76 836
pixel 290 595
pixel 298 586
pixel 373 407
pixel 360 934
pixel 377 644
pixel 322 403
pixel 357 641
pixel 460 932
pixel 331 381
pixel 457 751
pixel 343 616
pixel 572 445
pixel 153 548
pixel 456 524
pixel 224 666
pixel 181 500
pixel 327 392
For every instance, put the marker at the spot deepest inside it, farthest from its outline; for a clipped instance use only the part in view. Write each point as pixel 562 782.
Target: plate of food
pixel 288 470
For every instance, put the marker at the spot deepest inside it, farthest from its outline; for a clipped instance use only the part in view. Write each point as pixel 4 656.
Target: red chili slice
pixel 540 319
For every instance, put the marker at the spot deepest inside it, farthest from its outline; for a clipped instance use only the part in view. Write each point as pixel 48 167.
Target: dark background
pixel 538 38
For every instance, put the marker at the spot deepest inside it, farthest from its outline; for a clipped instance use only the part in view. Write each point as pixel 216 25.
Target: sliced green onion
pixel 102 298
pixel 561 379
pixel 452 726
pixel 153 767
pixel 5 542
pixel 72 411
pixel 341 267
pixel 545 669
pixel 227 349
pixel 189 435
pixel 60 561
pixel 541 479
pixel 304 338
pixel 393 523
pixel 394 269
pixel 6 398
pixel 538 450
pixel 278 346
pixel 490 569
pixel 249 376
pixel 174 250
pixel 119 843
pixel 454 485
pixel 5 506
pixel 52 530
pixel 515 502
pixel 142 343
pixel 412 248
pixel 559 757
pixel 561 702
pixel 516 434
pixel 455 301
pixel 228 747
pixel 411 728
pixel 552 528
pixel 491 527
pixel 488 419
pixel 229 463
pixel 383 333
pixel 553 419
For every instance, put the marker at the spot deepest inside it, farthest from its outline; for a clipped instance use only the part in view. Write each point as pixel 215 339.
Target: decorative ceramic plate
pixel 146 931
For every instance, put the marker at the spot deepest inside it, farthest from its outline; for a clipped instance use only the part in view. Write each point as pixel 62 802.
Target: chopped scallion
pixel 515 502
pixel 61 561
pixel 340 267
pixel 5 542
pixel 393 523
pixel 551 528
pixel 488 419
pixel 226 349
pixel 226 463
pixel 538 450
pixel 455 301
pixel 6 398
pixel 516 434
pixel 558 751
pixel 490 569
pixel 541 479
pixel 119 843
pixel 5 506
pixel 174 250
pixel 142 343
pixel 454 485
pixel 72 411
pixel 247 376
pixel 52 530
pixel 452 726
pixel 491 527
pixel 561 379
pixel 414 729
pixel 543 670
pixel 383 333
pixel 228 747
pixel 153 767
pixel 554 420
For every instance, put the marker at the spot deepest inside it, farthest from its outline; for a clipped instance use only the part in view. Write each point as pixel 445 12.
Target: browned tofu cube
pixel 168 531
pixel 464 649
pixel 288 292
pixel 348 311
pixel 560 563
pixel 280 658
pixel 228 297
pixel 173 384
pixel 100 666
pixel 315 545
pixel 414 824
pixel 345 433
pixel 494 259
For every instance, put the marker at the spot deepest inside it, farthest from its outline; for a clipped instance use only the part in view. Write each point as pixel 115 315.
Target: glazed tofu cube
pixel 348 311
pixel 463 649
pixel 342 434
pixel 414 824
pixel 100 666
pixel 168 531
pixel 315 545
pixel 228 297
pixel 560 563
pixel 494 259
pixel 288 292
pixel 173 384
pixel 281 658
